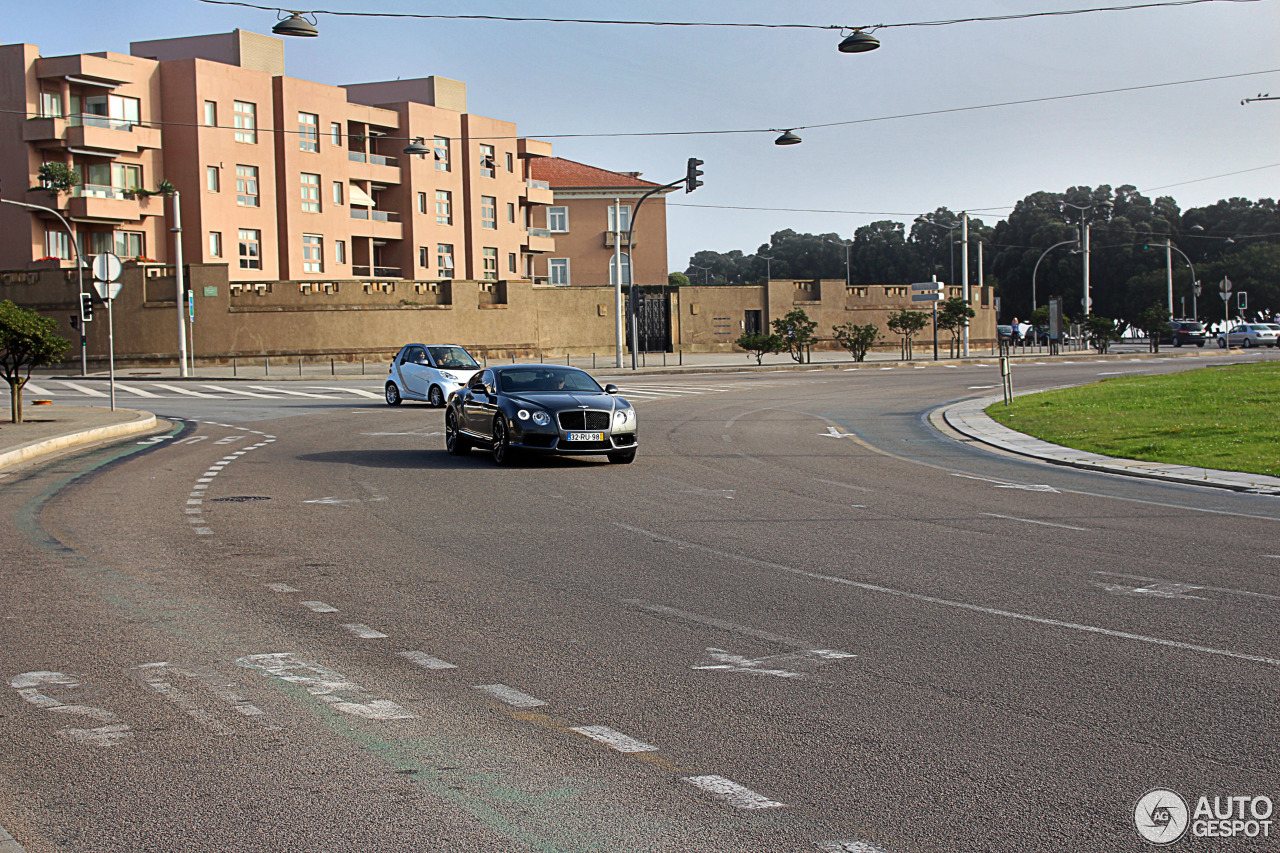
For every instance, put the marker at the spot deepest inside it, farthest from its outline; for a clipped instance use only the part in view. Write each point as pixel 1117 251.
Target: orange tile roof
pixel 561 173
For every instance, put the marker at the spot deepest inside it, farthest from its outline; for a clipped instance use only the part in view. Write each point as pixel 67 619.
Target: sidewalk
pixel 969 419
pixel 50 429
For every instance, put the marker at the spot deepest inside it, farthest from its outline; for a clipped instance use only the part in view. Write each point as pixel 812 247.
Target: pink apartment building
pixel 278 178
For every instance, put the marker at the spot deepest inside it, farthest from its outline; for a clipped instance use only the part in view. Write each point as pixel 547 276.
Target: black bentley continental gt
pixel 542 408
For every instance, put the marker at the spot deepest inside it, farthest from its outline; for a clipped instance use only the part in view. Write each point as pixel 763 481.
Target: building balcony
pixel 102 203
pixel 94 133
pixel 539 192
pixel 86 69
pixel 526 147
pixel 539 240
pixel 376 272
pixel 610 235
pixel 373 167
pixel 379 224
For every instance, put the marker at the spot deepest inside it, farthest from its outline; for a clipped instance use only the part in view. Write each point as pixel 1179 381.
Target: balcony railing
pixel 375 272
pixel 100 191
pixel 538 185
pixel 375 159
pixel 375 215
pixel 89 120
pixel 539 232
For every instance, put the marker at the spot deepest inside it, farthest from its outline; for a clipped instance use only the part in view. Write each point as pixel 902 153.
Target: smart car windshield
pixel 546 379
pixel 455 357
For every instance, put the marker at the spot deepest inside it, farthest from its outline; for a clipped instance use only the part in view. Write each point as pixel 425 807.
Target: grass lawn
pixel 1214 417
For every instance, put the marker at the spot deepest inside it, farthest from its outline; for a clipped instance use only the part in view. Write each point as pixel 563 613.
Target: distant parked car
pixel 430 373
pixel 1180 332
pixel 1005 333
pixel 1249 335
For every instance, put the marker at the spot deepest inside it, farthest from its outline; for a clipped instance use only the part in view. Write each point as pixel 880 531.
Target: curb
pixel 7 843
pixel 969 418
pixel 142 422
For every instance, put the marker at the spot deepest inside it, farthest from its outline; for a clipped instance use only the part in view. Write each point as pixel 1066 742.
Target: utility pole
pixel 177 257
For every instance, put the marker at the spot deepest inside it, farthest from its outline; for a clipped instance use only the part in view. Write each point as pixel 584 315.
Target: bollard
pixel 566 358
pixel 593 361
pixel 362 367
pixel 266 366
pixel 333 371
pixel 664 358
pixel 233 368
pixel 682 358
pixel 299 367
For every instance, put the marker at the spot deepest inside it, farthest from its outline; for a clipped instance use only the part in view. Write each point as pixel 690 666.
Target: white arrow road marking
pixel 782 666
pixel 28 685
pixel 1158 590
pixel 1005 484
pixel 833 432
pixel 614 739
pixel 1226 590
pixel 1033 521
pixel 510 695
pixel 326 685
pixel 731 792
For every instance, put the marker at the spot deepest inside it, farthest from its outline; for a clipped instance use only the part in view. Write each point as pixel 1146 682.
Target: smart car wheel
pixel 501 448
pixel 393 394
pixel 622 457
pixel 454 442
pixel 436 397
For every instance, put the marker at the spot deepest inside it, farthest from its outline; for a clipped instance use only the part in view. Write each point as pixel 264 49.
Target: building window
pixel 444 207
pixel 558 220
pixel 312 253
pixel 211 182
pixel 250 249
pixel 511 212
pixel 490 263
pixel 339 251
pixel 422 202
pixel 101 241
pixel 559 270
pixel 444 259
pixel 626 269
pixel 57 244
pixel 246 122
pixel 626 218
pixel 247 186
pixel 210 113
pixel 489 212
pixel 511 261
pixel 310 193
pixel 511 163
pixel 129 244
pixel 335 133
pixel 424 257
pixel 487 163
pixel 215 244
pixel 337 192
pixel 308 132
pixel 51 104
pixel 442 154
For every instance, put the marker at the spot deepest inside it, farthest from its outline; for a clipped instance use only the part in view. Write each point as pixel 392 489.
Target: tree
pixel 1153 321
pixel 759 344
pixel 857 339
pixel 27 340
pixel 57 178
pixel 677 279
pixel 796 331
pixel 1101 332
pixel 907 324
pixel 953 316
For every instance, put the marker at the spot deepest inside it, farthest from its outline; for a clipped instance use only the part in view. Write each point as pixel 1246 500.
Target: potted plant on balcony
pixel 56 179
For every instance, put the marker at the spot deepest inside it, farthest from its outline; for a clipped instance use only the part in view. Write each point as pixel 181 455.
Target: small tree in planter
pixel 858 340
pixel 1101 332
pixel 796 331
pixel 759 344
pixel 56 179
pixel 27 340
pixel 1153 322
pixel 907 324
pixel 953 316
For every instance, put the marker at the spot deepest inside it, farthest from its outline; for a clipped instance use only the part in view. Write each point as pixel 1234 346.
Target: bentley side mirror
pixel 611 389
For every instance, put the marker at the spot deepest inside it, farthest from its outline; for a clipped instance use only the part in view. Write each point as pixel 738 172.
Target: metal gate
pixel 653 320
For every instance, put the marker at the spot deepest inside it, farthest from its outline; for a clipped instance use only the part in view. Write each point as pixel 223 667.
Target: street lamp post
pixel 847 247
pixel 768 266
pixel 84 346
pixel 1087 301
pixel 1036 268
pixel 1169 249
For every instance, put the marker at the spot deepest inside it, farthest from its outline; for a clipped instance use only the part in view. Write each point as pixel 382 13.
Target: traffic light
pixel 86 307
pixel 1244 299
pixel 691 181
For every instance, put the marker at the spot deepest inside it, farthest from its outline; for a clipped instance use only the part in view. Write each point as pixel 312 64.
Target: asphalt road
pixel 801 620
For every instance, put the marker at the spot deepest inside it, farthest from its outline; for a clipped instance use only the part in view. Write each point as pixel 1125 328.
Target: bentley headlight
pixel 622 416
pixel 541 418
pixel 523 414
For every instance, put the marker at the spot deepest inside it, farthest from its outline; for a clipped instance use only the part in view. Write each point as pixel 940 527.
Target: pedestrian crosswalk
pixel 295 392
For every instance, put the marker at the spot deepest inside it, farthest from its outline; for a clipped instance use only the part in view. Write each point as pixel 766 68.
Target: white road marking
pixel 1033 521
pixel 833 432
pixel 195 501
pixel 229 439
pixel 510 695
pixel 240 391
pixel 959 605
pixel 1197 586
pixel 332 501
pixel 156 676
pixel 326 685
pixel 318 607
pixel 363 631
pixel 203 531
pixel 615 739
pixel 192 439
pixel 1160 590
pixel 725 661
pixel 982 387
pixel 731 792
pixel 29 684
pixel 1005 484
pixel 849 847
pixel 129 389
pixel 293 393
pixel 279 587
pixel 187 392
pixel 719 493
pixel 84 389
pixel 426 661
pixel 358 391
pixel 1111 373
pixel 32 388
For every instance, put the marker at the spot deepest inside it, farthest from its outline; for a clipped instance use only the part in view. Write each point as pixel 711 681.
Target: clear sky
pixel 564 82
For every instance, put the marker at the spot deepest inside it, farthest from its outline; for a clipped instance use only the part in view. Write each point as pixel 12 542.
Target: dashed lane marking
pixel 363 631
pixel 1033 521
pixel 732 793
pixel 318 607
pixel 326 685
pixel 425 660
pixel 509 695
pixel 614 739
pixel 279 587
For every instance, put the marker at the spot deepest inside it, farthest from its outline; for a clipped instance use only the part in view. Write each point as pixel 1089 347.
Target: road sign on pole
pixel 106 272
pixel 926 291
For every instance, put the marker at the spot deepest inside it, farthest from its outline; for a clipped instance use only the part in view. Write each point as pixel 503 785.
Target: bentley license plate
pixel 586 436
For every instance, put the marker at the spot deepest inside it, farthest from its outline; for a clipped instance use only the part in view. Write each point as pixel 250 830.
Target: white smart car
pixel 429 373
